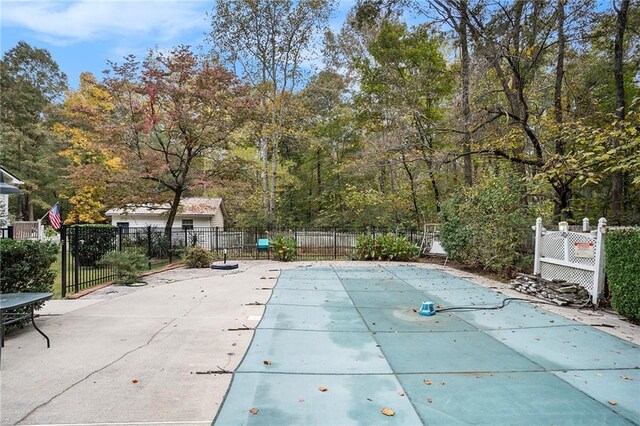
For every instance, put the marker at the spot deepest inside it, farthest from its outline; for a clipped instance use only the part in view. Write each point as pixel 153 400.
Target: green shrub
pixel 385 247
pixel 197 257
pixel 284 247
pixel 127 264
pixel 366 248
pixel 485 225
pixel 622 249
pixel 25 267
pixel 93 241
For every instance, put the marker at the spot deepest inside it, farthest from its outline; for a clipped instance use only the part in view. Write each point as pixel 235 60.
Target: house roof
pixel 195 206
pixel 9 178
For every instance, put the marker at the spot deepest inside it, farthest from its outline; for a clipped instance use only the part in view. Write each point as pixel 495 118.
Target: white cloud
pixel 70 22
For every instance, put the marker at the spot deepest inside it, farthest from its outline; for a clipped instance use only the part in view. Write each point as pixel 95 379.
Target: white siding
pixel 217 221
pixel 4 210
pixel 136 221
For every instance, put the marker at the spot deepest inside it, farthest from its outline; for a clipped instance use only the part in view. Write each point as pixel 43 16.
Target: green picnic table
pixel 12 301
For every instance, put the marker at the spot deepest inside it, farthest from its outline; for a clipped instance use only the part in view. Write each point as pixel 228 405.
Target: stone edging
pixel 560 292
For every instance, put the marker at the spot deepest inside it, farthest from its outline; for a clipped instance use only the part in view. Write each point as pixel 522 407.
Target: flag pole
pixel 47 213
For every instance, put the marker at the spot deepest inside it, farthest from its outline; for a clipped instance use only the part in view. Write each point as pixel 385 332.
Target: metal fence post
pixel 10 232
pixel 76 259
pixel 149 248
pixel 335 244
pixel 170 247
pixel 216 240
pixel 538 247
pixel 63 261
pixel 598 276
pixel 119 238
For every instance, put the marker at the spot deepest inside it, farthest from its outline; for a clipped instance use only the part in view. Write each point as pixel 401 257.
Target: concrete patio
pixel 160 353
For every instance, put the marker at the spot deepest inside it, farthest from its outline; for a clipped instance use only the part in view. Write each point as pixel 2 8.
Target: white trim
pixel 538 246
pixel 568 264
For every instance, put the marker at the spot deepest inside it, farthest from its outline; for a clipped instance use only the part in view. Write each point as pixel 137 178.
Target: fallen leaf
pixel 266 362
pixel 301 400
pixel 626 378
pixel 612 402
pixel 429 400
pixel 427 382
pixel 387 412
pixel 134 381
pixel 323 389
pixel 254 411
pixel 234 344
pixel 442 382
pixel 401 393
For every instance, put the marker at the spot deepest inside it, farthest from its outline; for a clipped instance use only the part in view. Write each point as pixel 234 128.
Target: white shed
pixel 192 213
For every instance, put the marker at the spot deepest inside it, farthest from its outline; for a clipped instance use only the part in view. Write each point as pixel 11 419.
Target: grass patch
pixel 156 264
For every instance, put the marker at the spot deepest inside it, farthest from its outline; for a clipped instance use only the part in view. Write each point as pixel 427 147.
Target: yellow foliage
pixel 86 207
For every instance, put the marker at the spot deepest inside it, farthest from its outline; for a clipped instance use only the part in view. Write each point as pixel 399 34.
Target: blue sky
pixel 82 35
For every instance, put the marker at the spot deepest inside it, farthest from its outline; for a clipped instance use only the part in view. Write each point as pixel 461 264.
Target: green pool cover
pixel 337 345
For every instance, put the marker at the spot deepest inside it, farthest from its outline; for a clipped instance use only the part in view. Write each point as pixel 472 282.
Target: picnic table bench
pixel 13 301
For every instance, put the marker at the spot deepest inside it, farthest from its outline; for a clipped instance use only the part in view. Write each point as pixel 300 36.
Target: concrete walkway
pixel 136 355
pixel 152 354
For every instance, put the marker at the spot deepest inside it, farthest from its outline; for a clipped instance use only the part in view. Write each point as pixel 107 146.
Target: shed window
pixel 187 223
pixel 123 225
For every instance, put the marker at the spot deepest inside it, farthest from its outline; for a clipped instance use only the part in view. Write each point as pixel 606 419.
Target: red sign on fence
pixel 585 250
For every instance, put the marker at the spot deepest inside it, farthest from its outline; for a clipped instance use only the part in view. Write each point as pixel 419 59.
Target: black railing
pixel 82 246
pixel 6 232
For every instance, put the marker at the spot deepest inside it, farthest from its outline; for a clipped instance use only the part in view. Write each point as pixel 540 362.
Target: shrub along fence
pixel 84 245
pixel 623 270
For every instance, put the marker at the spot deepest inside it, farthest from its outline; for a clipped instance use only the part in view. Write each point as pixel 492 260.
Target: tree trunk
pixel 264 175
pixel 414 197
pixel 466 109
pixel 173 211
pixel 274 177
pixel 557 98
pixel 561 209
pixel 618 71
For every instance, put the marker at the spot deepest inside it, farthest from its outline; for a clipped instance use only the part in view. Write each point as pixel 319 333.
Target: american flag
pixel 54 217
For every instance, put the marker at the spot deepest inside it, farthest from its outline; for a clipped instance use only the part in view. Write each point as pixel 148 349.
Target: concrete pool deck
pixel 154 354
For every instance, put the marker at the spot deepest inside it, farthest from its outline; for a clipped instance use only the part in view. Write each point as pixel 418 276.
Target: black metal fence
pixel 83 246
pixel 6 232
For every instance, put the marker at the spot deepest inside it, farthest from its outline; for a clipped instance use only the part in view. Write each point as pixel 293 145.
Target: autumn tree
pixel 173 115
pixel 403 83
pixel 92 166
pixel 268 41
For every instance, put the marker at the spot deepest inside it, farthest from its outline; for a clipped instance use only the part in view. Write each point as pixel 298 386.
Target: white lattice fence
pixel 574 257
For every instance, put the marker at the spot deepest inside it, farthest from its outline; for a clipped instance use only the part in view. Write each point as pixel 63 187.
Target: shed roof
pixel 194 206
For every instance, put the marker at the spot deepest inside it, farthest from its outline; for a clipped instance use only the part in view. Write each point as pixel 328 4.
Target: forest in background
pixel 531 107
